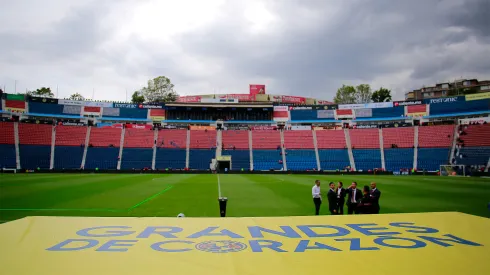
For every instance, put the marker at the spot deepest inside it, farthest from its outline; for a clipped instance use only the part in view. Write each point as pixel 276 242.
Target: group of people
pixel 358 202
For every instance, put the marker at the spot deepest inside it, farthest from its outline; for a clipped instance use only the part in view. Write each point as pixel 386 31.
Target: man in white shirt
pixel 317 198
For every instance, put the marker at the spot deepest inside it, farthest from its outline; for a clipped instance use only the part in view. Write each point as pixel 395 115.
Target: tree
pixel 159 89
pixel 345 95
pixel 41 92
pixel 137 98
pixel 363 93
pixel 76 96
pixel 381 95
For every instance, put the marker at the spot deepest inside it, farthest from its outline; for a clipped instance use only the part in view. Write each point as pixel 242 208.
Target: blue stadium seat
pixel 104 158
pixel 170 158
pixel 239 159
pixel 333 159
pixel 267 159
pixel 136 158
pixel 398 158
pixel 367 159
pixel 200 158
pixel 430 159
pixel 34 156
pixel 301 160
pixel 474 156
pixel 68 157
pixel 7 156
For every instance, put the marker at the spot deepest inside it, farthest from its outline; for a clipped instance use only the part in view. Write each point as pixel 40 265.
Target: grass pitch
pixel 149 195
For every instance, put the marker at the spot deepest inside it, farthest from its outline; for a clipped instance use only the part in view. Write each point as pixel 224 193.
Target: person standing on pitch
pixel 354 196
pixel 332 199
pixel 340 198
pixel 317 198
pixel 375 195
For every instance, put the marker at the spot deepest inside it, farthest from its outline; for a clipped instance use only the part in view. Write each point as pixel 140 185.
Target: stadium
pixel 98 168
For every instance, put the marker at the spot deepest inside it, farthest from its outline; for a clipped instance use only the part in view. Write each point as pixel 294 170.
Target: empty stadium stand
pixel 430 159
pixel 300 139
pixel 171 158
pixel 105 137
pixel 201 139
pixel 301 160
pixel 200 159
pixel 7 145
pixel 402 137
pixel 364 138
pixel 35 134
pixel 333 159
pixel 398 158
pixel 331 139
pixel 102 157
pixel 70 135
pixel 436 136
pixel 367 159
pixel 267 139
pixel 68 157
pixel 35 156
pixel 473 156
pixel 139 138
pixel 476 135
pixel 235 138
pixel 267 159
pixel 240 159
pixel 136 158
pixel 172 138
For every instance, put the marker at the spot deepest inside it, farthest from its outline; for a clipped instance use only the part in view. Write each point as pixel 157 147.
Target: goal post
pixel 9 170
pixel 452 170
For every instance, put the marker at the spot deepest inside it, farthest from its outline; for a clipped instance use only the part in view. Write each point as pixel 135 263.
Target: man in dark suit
pixel 332 199
pixel 375 195
pixel 340 198
pixel 354 196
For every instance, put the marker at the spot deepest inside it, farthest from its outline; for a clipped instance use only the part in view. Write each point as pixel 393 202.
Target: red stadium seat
pixel 476 135
pixel 201 139
pixel 235 138
pixel 402 137
pixel 103 137
pixel 301 139
pixel 70 135
pixel 331 139
pixel 436 136
pixel 266 139
pixel 138 138
pixel 7 133
pixel 35 134
pixel 364 138
pixel 172 138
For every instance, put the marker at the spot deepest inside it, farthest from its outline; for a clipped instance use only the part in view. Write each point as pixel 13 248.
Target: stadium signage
pixel 366 105
pixel 407 103
pixel 122 105
pixel 43 100
pixel 365 126
pixel 301 108
pixel 73 124
pixel 280 238
pixel 444 100
pixel 264 128
pixel 70 102
pixel 150 106
pixel 98 104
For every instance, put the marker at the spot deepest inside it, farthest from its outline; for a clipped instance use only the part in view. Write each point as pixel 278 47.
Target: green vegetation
pixel 150 195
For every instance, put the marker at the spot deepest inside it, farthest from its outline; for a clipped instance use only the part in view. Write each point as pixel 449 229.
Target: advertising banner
pixel 98 104
pixel 240 97
pixel 324 102
pixel 219 100
pixel 15 106
pixel 366 105
pixel 290 99
pixel 65 123
pixel 364 112
pixel 237 127
pixel 72 109
pixel 125 105
pixel 43 100
pixel 262 128
pixel 15 110
pixel 189 99
pixel 202 127
pixel 325 114
pixel 342 113
pixel 71 102
pixel 477 96
pixel 111 112
pixel 257 89
pixel 139 126
pixel 300 127
pixel 478 120
pixel 90 109
pixel 157 114
pixel 419 114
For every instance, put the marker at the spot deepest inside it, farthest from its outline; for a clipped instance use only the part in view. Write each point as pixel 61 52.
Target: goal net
pixel 453 170
pixel 9 170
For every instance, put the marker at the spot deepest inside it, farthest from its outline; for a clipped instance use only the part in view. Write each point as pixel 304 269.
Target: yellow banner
pixel 15 110
pixel 223 158
pixel 157 118
pixel 477 96
pixel 202 127
pixel 425 243
pixel 417 114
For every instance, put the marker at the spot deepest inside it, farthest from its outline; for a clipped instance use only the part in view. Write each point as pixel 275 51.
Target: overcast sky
pixel 294 47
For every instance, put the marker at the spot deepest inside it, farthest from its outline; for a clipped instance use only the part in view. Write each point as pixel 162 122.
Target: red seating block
pixel 267 139
pixel 436 136
pixel 103 137
pixel 402 137
pixel 300 139
pixel 201 139
pixel 35 134
pixel 237 138
pixel 70 135
pixel 331 139
pixel 172 138
pixel 7 133
pixel 476 135
pixel 364 138
pixel 138 138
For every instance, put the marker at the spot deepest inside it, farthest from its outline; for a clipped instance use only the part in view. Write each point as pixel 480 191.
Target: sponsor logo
pixel 443 100
pixel 148 106
pixel 73 124
pixel 406 103
pixel 129 106
pixel 365 126
pixel 221 246
pixel 301 108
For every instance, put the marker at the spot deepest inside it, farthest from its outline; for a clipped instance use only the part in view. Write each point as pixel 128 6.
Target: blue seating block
pixel 7 156
pixel 68 157
pixel 333 159
pixel 430 159
pixel 367 159
pixel 267 159
pixel 34 156
pixel 200 158
pixel 136 158
pixel 170 158
pixel 104 158
pixel 301 160
pixel 398 158
pixel 239 159
pixel 474 156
